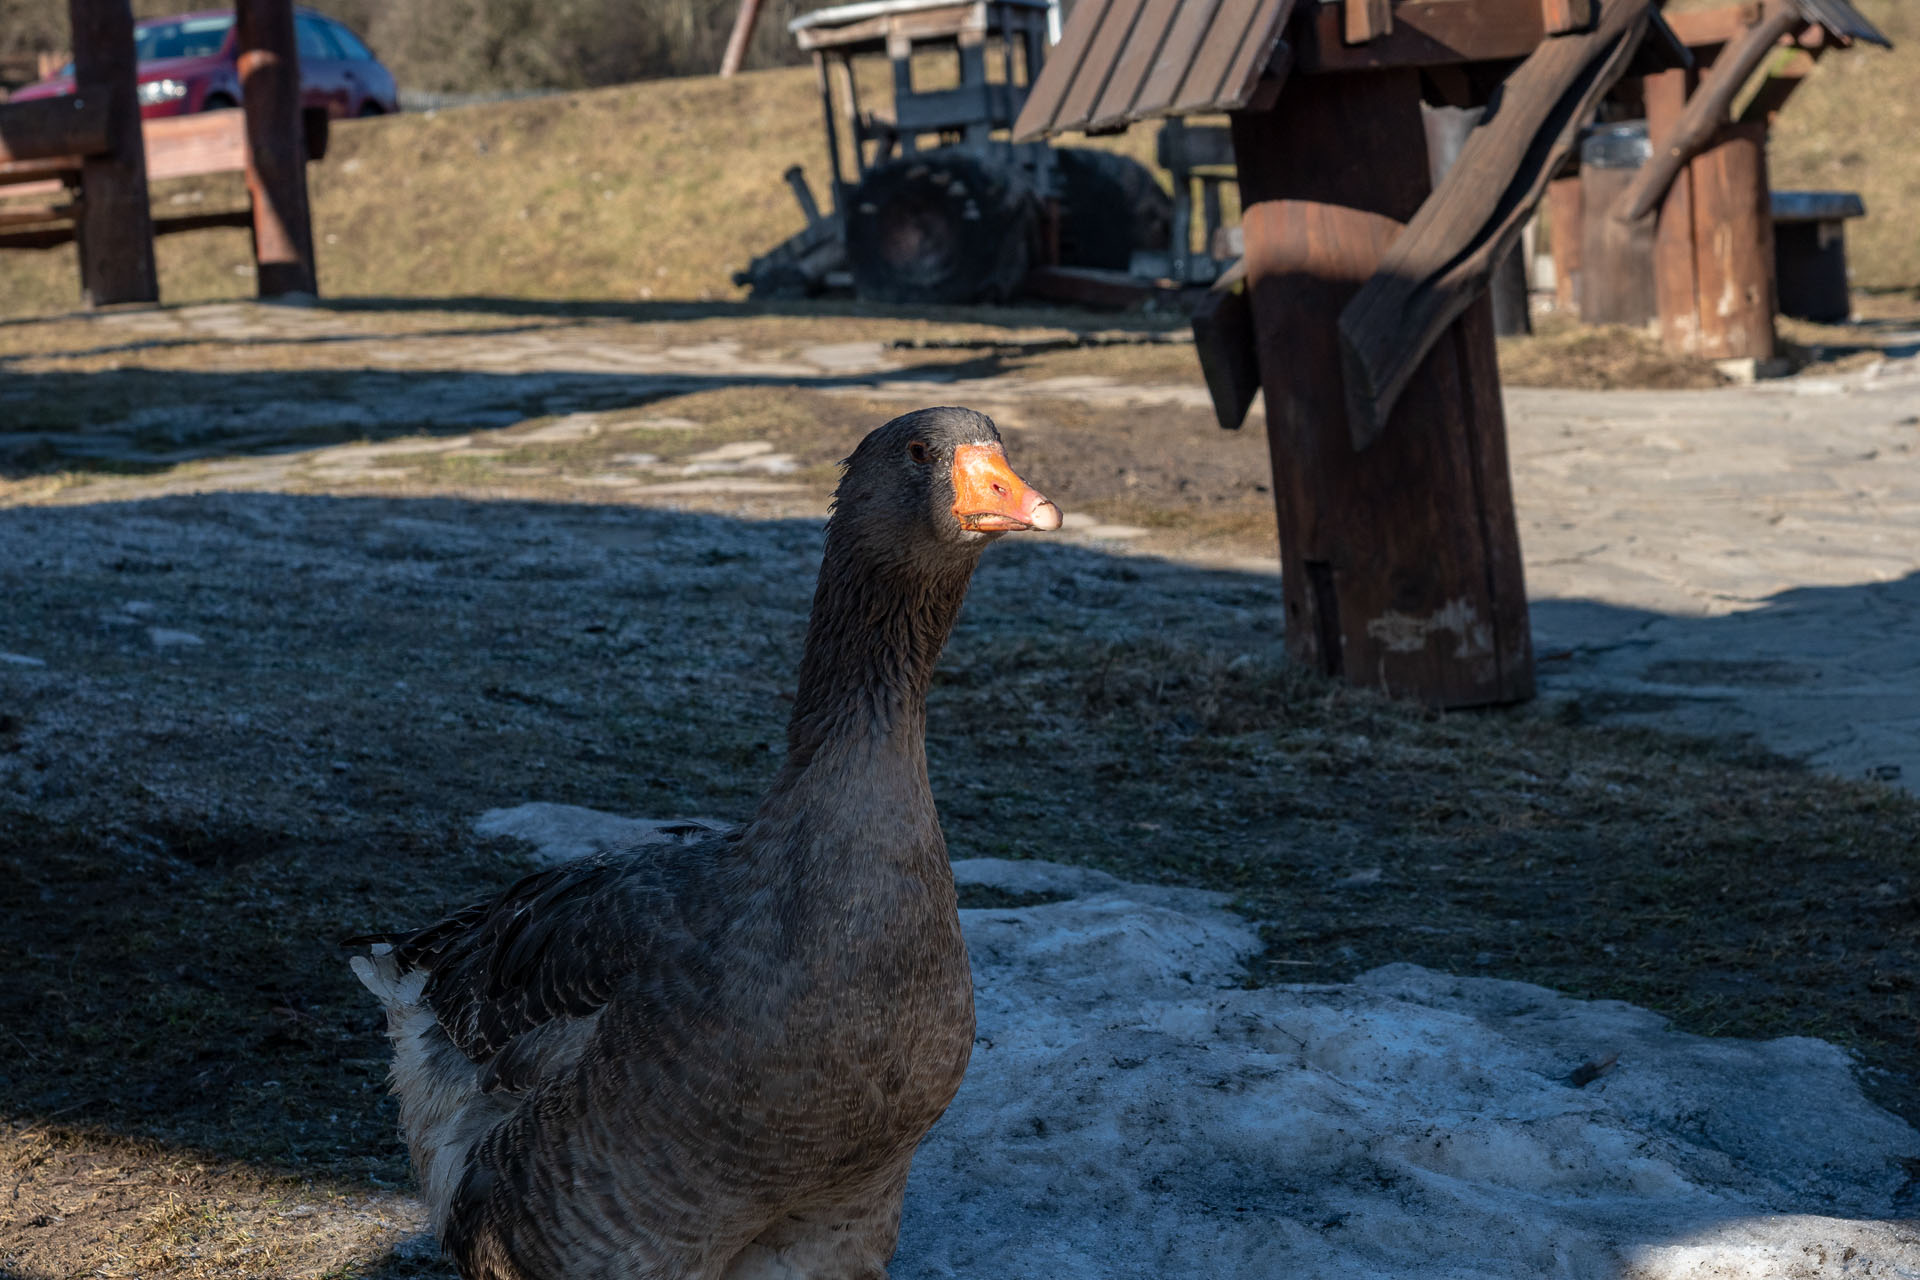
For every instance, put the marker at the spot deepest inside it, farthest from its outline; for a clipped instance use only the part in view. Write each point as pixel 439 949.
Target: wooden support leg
pixel 1400 564
pixel 1563 226
pixel 1733 244
pixel 1675 275
pixel 276 149
pixel 114 232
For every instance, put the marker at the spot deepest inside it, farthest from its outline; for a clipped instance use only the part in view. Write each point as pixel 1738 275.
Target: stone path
pixel 1744 560
pixel 1737 561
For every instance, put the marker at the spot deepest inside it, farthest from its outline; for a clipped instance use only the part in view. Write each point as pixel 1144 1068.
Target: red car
pixel 187 65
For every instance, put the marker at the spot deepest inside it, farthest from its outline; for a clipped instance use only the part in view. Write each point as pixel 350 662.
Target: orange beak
pixel 989 498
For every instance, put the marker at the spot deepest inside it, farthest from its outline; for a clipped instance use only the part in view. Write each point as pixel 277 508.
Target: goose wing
pixel 551 949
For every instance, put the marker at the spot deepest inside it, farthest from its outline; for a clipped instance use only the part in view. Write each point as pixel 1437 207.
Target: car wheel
pixel 371 108
pixel 218 102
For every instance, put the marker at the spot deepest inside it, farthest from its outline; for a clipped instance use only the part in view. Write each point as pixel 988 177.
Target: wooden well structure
pixel 1687 237
pixel 1362 311
pixel 92 146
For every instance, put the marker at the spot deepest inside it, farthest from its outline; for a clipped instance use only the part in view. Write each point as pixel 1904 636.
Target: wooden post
pixel 114 233
pixel 1400 565
pixel 1733 245
pixel 740 37
pixel 1563 225
pixel 1675 277
pixel 276 149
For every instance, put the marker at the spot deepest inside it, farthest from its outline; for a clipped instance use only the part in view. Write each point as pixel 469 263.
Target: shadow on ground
pixel 237 727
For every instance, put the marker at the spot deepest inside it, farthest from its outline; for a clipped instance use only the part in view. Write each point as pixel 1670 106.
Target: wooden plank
pixel 27 215
pixel 1364 20
pixel 1177 52
pixel 1733 245
pixel 1707 109
pixel 1562 16
pixel 1400 566
pixel 1097 70
pixel 1089 286
pixel 276 149
pixel 1843 22
pixel 39 128
pixel 1135 63
pixel 1563 223
pixel 1044 99
pixel 1675 278
pixel 1234 23
pixel 1425 33
pixel 1261 63
pixel 39 174
pixel 1698 28
pixel 115 228
pixel 1223 338
pixel 189 146
pixel 54 236
pixel 1441 265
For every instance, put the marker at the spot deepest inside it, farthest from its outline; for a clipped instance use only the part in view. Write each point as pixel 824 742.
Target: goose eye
pixel 917 451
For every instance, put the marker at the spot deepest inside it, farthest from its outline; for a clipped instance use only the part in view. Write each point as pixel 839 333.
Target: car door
pixel 323 80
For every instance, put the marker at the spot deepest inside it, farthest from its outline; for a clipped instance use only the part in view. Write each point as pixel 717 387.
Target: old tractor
pixel 936 204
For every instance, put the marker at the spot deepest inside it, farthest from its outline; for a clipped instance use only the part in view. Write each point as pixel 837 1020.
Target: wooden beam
pixel 740 37
pixel 1400 566
pixel 1562 16
pixel 1790 71
pixel 115 229
pixel 1699 28
pixel 276 165
pixel 1426 33
pixel 1364 20
pixel 1436 270
pixel 1707 110
pixel 40 128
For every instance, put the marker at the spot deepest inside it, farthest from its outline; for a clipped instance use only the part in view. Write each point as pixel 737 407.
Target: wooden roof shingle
pixel 1120 61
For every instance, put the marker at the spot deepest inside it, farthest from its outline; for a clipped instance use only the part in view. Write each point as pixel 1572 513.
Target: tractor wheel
pixel 940 227
pixel 1110 205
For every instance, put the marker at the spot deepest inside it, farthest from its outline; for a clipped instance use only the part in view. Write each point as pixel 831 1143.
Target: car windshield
pixel 181 37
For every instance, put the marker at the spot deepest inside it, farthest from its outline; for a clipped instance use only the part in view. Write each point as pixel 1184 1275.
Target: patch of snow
pixel 22 660
pixel 168 638
pixel 1133 1110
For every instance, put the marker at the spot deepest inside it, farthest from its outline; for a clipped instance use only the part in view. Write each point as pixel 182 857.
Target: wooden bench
pixel 1810 252
pixel 40 199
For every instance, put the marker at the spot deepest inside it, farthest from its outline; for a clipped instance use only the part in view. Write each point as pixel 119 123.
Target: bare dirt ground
pixel 291 595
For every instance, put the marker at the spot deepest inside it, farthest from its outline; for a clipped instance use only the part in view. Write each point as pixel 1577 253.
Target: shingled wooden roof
pixel 1125 60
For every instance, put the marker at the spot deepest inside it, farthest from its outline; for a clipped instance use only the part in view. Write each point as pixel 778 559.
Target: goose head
pixel 935 483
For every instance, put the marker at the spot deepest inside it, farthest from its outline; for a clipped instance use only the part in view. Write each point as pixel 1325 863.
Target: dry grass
pixel 1562 352
pixel 655 190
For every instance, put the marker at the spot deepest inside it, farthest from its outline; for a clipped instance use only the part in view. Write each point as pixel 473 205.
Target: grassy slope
pixel 1853 127
pixel 656 190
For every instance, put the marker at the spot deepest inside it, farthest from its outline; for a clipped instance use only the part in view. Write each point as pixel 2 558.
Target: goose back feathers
pixel 714 1061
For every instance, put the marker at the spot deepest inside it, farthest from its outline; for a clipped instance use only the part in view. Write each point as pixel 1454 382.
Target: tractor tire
pixel 1110 205
pixel 943 227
